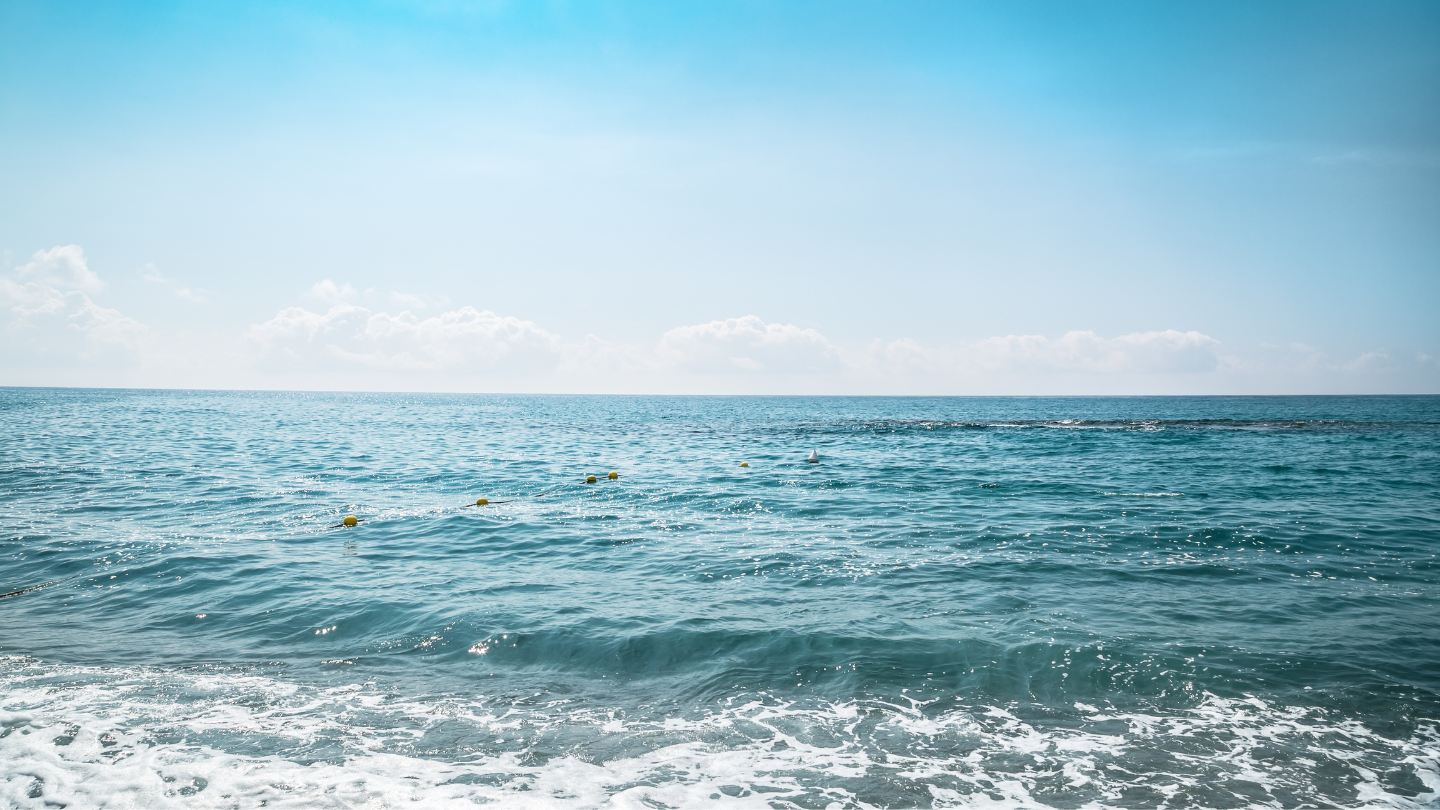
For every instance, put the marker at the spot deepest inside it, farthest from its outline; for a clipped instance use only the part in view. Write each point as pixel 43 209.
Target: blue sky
pixel 1016 197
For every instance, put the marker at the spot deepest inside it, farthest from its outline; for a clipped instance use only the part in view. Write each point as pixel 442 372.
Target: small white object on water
pixel 814 457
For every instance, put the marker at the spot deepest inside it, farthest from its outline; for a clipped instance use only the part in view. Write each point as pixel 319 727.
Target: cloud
pixel 49 319
pixel 770 355
pixel 1369 362
pixel 48 312
pixel 329 292
pixel 410 301
pixel 63 268
pixel 353 335
pixel 1299 358
pixel 152 274
pixel 748 345
pixel 1169 351
pixel 104 328
pixel 1146 352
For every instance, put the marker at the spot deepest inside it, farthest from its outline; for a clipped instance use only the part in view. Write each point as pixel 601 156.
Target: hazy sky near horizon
pixel 745 197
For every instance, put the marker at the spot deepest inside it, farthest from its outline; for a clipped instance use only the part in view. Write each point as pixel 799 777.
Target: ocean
pixel 968 602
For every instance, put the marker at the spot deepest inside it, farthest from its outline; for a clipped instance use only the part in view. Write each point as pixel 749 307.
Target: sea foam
pixel 148 738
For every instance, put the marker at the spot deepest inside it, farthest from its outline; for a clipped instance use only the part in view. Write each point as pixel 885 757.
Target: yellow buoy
pixel 744 464
pixel 613 475
pixel 589 479
pixel 481 501
pixel 349 520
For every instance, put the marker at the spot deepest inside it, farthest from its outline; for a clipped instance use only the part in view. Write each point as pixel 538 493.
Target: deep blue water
pixel 1049 602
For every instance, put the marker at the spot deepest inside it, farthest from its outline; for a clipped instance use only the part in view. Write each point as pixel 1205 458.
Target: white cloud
pixel 1170 351
pixel 293 331
pixel 409 301
pixel 1370 361
pixel 104 328
pixel 350 334
pixel 1146 352
pixel 26 301
pixel 49 315
pixel 745 345
pixel 1299 358
pixel 49 320
pixel 452 339
pixel 594 358
pixel 468 341
pixel 152 274
pixel 329 292
pixel 61 267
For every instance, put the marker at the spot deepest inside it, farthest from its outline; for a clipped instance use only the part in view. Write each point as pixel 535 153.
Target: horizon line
pixel 697 396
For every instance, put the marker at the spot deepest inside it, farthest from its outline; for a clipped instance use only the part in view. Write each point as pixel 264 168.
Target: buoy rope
pixel 351 521
pixel 344 524
pixel 488 502
pixel 36 587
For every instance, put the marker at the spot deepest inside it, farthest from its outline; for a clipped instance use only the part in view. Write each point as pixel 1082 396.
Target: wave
pixel 144 737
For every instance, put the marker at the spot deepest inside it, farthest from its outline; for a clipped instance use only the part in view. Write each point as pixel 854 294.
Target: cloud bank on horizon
pixel 337 338
pixel 791 197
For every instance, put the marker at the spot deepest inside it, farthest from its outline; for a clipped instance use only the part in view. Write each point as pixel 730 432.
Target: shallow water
pixel 1039 602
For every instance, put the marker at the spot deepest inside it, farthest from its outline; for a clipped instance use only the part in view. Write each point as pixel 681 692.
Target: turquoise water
pixel 1038 602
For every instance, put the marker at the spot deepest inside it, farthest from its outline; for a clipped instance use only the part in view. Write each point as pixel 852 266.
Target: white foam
pixel 144 738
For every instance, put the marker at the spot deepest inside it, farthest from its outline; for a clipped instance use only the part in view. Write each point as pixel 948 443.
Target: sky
pixel 834 197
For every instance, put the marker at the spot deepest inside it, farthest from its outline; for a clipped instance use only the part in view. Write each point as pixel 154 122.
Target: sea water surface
pixel 969 602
